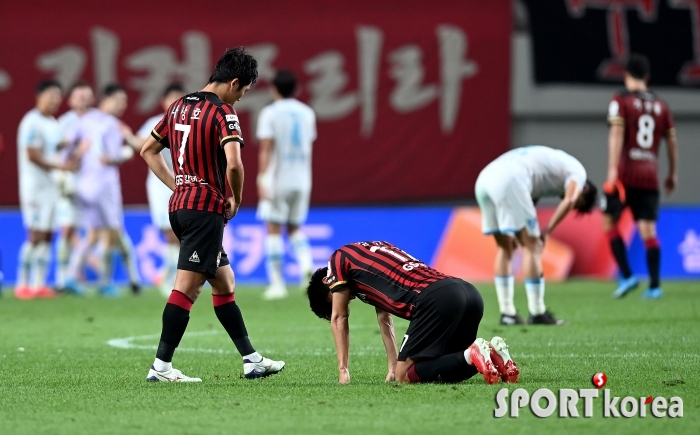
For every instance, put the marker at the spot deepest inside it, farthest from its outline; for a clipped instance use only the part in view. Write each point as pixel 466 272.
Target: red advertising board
pixel 412 99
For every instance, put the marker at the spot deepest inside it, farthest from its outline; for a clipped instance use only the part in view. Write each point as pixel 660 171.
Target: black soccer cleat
pixel 135 288
pixel 512 320
pixel 545 318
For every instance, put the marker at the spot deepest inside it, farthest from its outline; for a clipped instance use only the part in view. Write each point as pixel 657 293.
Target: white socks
pixel 253 357
pixel 63 254
pixel 535 296
pixel 162 366
pixel 274 248
pixel 504 292
pixel 302 252
pixel 42 255
pixel 26 258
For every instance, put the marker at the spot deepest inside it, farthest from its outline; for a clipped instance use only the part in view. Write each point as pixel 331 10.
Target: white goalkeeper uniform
pixel 38 191
pixel 291 125
pixel 508 187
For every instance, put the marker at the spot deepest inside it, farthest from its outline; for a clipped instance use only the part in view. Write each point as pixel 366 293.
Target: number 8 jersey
pixel 646 119
pixel 196 128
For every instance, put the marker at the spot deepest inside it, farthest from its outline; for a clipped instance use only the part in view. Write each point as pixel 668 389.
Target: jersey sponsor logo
pixel 231 118
pixel 188 179
pixel 194 258
pixel 193 98
pixel 637 154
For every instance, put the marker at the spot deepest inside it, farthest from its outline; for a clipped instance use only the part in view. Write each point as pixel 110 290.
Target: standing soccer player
pixel 204 137
pixel 80 100
pixel 101 139
pixel 159 194
pixel 286 130
pixel 638 121
pixel 507 190
pixel 38 138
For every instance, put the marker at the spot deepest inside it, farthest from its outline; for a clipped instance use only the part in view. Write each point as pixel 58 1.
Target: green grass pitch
pixel 69 380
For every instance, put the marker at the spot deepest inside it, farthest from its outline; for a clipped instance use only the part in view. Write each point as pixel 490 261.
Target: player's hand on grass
pixel 670 184
pixel 390 377
pixel 231 207
pixel 344 376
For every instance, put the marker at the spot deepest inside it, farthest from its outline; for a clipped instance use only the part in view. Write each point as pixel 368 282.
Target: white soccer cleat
pixel 266 367
pixel 172 375
pixel 275 292
pixel 500 356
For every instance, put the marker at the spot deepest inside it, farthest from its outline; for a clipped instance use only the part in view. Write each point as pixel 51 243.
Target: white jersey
pixel 42 133
pixel 545 171
pixel 145 131
pixel 291 125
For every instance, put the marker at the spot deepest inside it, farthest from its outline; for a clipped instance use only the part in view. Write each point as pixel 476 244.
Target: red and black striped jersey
pixel 382 275
pixel 646 120
pixel 198 126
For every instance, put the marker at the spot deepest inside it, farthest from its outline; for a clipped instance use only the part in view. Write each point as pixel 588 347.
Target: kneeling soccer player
pixel 440 343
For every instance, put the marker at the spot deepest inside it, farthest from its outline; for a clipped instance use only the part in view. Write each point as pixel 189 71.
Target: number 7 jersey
pixel 196 128
pixel 646 119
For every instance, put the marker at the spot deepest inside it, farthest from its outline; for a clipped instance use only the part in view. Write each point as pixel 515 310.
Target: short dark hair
pixel 173 87
pixel 317 293
pixel 77 85
pixel 236 63
pixel 638 66
pixel 590 197
pixel 112 89
pixel 285 82
pixel 47 84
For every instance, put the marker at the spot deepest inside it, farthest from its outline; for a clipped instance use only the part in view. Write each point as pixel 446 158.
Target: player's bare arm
pixel 615 144
pixel 154 159
pixel 36 157
pixel 341 331
pixel 672 148
pixel 266 148
pixel 234 176
pixel 386 328
pixel 571 196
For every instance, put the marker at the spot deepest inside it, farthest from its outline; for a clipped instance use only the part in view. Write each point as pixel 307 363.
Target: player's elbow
pixel 234 164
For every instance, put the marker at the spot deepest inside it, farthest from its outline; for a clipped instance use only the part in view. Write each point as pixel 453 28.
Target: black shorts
pixel 445 320
pixel 644 204
pixel 201 234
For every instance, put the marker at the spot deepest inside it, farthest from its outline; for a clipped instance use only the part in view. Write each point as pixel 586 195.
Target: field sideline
pixel 69 380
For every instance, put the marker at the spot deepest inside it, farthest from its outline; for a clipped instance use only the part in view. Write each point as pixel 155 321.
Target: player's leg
pixel 26 254
pixel 647 231
pixel 230 317
pixel 423 358
pixel 123 242
pixel 172 250
pixel 504 280
pixel 534 280
pixel 41 234
pixel 66 215
pixel 274 257
pixel 612 210
pixel 104 250
pixel 298 211
pixel 200 238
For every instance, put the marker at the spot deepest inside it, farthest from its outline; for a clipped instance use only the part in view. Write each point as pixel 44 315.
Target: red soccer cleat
pixel 480 355
pixel 501 359
pixel 24 292
pixel 45 293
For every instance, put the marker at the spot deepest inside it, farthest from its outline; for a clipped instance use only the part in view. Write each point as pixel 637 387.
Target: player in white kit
pixel 38 139
pixel 101 138
pixel 159 194
pixel 507 190
pixel 286 130
pixel 80 100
